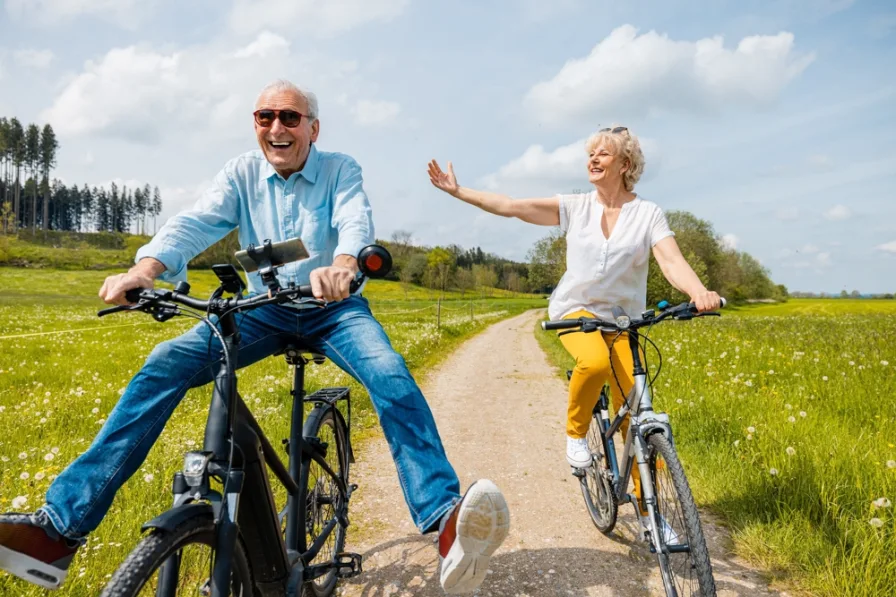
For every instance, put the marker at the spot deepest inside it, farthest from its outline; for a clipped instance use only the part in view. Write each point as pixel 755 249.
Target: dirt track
pixel 501 411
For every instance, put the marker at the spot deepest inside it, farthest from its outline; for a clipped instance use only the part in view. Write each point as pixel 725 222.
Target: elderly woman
pixel 609 233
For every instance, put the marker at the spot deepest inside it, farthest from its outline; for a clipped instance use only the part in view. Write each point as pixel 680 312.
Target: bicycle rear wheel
pixel 683 556
pixel 320 495
pixel 190 545
pixel 597 488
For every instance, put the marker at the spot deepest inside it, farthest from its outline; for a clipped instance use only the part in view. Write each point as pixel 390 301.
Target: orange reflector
pixel 374 262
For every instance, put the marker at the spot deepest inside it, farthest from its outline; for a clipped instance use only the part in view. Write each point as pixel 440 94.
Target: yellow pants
pixel 593 369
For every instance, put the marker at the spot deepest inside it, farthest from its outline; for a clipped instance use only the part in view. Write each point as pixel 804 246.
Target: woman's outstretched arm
pixel 544 212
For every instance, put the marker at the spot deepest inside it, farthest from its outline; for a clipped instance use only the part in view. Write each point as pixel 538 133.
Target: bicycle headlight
pixel 623 321
pixel 195 465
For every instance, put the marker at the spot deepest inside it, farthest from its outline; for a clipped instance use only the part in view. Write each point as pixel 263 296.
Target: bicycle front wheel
pixel 321 497
pixel 682 555
pixel 597 488
pixel 187 554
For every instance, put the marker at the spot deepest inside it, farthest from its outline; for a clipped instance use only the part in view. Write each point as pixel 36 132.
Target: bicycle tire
pixel 597 489
pixel 316 488
pixel 139 569
pixel 687 573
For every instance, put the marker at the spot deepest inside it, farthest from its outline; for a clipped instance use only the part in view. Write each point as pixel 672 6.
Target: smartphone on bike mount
pixel 281 253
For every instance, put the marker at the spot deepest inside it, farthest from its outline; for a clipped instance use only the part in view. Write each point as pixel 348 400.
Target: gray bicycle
pixel 672 530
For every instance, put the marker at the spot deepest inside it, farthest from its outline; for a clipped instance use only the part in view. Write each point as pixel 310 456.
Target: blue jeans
pixel 346 332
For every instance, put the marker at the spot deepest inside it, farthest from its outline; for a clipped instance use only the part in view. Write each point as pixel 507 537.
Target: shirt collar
pixel 309 170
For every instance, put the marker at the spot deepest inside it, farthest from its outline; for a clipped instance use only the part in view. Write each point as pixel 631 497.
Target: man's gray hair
pixel 284 85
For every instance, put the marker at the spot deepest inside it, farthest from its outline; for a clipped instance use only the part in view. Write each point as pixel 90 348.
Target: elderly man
pixel 288 189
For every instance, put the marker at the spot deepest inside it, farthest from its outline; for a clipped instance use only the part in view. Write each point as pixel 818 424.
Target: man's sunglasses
pixel 288 118
pixel 616 130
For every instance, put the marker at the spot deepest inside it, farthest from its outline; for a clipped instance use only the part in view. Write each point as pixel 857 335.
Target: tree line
pixel 736 275
pixel 30 199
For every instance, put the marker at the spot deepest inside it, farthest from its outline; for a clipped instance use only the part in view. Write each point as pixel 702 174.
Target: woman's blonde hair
pixel 624 145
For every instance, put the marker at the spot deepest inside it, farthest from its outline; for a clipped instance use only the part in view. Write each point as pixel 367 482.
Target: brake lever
pixel 117 309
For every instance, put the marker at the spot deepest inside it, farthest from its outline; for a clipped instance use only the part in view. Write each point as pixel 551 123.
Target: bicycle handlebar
pixel 683 311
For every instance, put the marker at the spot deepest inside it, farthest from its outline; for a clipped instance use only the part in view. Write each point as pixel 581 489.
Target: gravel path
pixel 501 413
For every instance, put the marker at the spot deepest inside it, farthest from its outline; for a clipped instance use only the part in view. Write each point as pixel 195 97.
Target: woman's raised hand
pixel 445 181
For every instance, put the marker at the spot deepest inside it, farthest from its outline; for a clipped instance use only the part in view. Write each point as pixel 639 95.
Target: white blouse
pixel 604 272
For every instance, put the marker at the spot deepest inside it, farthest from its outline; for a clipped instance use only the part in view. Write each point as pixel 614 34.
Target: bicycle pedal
pixel 348 565
pixel 577 472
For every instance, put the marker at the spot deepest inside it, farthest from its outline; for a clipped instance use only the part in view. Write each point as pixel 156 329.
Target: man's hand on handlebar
pixel 141 275
pixel 706 300
pixel 332 283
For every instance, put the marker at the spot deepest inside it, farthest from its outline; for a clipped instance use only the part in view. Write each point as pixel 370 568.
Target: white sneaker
pixel 670 537
pixel 577 452
pixel 469 535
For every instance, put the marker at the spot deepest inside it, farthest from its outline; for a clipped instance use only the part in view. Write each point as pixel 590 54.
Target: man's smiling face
pixel 284 147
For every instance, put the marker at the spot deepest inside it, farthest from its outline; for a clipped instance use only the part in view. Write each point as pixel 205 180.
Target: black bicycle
pixel 673 530
pixel 225 534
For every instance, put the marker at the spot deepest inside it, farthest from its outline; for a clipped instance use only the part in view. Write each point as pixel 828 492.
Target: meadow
pixel 784 416
pixel 62 370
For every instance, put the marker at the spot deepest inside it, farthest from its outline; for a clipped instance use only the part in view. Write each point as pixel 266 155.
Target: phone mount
pixel 262 258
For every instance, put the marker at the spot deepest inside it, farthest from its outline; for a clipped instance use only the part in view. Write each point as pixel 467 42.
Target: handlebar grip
pixel 564 324
pixel 133 295
pixel 305 291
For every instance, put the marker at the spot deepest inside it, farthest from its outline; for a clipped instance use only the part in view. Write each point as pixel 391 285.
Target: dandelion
pixel 54 450
pixel 803 414
pixel 23 455
pixel 751 429
pixel 881 503
pixel 24 476
pixel 824 378
pixel 748 383
pixel 891 464
pixel 49 456
pixel 750 437
pixel 96 401
pixel 39 476
pixel 791 419
pixel 736 443
pixel 19 502
pixel 771 371
pixel 148 477
pixel 773 472
pixel 679 401
pixel 876 523
pixel 790 450
pixel 95 411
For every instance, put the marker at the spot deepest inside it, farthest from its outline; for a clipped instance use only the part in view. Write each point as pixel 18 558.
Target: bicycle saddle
pixel 296 353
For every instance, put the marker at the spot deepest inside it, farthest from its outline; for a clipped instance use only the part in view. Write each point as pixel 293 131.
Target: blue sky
pixel 774 121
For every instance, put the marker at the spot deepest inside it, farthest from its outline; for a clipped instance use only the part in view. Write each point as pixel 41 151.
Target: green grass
pixel 784 419
pixel 56 389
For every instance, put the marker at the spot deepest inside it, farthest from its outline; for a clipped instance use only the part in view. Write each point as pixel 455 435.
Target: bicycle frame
pixel 240 461
pixel 644 421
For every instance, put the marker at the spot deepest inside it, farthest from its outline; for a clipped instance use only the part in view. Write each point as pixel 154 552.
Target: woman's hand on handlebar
pixel 706 300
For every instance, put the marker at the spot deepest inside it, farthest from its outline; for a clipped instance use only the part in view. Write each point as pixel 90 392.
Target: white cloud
pixel 34 58
pixel 547 172
pixel 126 13
pixel 375 113
pixel 729 241
pixel 837 213
pixel 267 43
pixel 634 75
pixel 320 19
pixel 199 93
pixel 808 249
pixel 823 259
pixel 889 247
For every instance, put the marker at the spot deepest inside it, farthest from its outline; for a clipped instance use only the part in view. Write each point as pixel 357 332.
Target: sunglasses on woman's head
pixel 618 129
pixel 288 118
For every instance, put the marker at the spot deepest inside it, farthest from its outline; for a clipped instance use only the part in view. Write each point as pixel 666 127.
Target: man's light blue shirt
pixel 324 204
